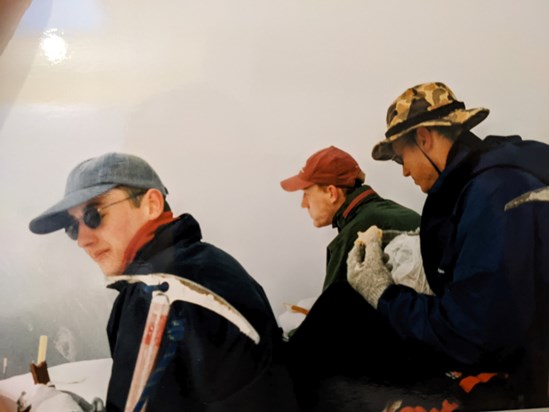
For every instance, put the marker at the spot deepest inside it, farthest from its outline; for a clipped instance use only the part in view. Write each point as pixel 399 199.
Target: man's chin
pixel 108 271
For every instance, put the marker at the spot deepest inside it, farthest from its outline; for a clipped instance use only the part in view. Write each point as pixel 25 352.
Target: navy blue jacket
pixel 215 367
pixel 487 267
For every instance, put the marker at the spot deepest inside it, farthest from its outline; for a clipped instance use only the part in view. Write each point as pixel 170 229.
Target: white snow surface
pixel 88 379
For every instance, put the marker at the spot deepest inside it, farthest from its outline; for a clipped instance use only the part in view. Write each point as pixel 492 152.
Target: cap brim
pixel 383 150
pixel 295 183
pixel 56 217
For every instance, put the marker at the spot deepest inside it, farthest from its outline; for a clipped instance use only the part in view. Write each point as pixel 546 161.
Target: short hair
pixel 449 132
pixel 135 195
pixel 346 189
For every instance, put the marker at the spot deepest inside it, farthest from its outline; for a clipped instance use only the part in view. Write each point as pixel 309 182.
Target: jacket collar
pixel 184 230
pixel 459 157
pixel 349 208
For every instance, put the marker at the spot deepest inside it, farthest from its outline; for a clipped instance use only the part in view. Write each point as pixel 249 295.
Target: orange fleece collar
pixel 145 235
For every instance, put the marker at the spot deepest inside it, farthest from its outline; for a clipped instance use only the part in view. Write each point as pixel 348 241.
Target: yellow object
pixel 42 347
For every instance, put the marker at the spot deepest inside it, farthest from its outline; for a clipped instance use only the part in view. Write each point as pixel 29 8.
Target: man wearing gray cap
pixel 487 264
pixel 219 350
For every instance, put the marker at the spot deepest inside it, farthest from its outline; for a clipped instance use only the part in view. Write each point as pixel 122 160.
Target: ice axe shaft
pixel 150 342
pixel 170 289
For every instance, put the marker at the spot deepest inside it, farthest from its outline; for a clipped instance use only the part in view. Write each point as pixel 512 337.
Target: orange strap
pixel 447 406
pixel 299 309
pixel 144 236
pixel 469 382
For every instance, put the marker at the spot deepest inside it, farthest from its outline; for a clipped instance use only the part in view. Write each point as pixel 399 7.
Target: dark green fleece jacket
pixel 362 208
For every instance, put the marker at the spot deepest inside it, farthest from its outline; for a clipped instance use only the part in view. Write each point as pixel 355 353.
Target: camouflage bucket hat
pixel 427 104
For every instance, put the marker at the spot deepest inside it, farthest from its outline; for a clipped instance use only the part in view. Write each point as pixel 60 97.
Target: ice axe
pixel 169 289
pixel 538 195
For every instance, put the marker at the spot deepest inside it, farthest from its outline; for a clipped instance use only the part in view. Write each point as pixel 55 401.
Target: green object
pixel 371 210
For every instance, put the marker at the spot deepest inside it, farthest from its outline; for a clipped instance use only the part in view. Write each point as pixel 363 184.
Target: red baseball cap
pixel 330 166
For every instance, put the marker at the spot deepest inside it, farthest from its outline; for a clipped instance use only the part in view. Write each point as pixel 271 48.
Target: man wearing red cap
pixel 330 338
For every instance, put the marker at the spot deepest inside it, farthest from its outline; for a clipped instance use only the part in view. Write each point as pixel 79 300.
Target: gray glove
pixel 366 269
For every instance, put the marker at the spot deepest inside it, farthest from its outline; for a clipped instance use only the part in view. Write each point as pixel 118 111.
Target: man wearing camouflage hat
pixel 487 266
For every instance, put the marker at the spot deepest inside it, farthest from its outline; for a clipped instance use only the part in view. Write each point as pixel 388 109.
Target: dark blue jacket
pixel 488 267
pixel 215 367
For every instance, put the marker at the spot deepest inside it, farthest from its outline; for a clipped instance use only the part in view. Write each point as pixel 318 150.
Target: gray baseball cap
pixel 94 177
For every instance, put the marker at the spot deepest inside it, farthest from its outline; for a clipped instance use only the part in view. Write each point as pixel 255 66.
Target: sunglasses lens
pixel 72 230
pixel 92 218
pixel 397 159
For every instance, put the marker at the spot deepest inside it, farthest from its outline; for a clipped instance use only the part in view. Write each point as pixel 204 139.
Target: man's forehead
pixel 398 144
pixel 95 201
pixel 316 188
pixel 311 188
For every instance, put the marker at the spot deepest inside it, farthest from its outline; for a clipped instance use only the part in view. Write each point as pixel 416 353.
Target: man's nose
pixel 86 235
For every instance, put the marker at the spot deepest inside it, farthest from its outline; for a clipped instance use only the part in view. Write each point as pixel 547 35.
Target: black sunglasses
pixel 91 217
pixel 397 159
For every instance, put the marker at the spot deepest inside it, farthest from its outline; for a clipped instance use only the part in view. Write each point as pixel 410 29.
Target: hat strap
pixel 428 158
pixel 434 114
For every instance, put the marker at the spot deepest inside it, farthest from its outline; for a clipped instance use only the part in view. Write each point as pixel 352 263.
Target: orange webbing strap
pixel 469 382
pixel 447 406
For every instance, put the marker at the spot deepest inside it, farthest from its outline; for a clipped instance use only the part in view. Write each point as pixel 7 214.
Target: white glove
pixel 366 269
pixel 47 398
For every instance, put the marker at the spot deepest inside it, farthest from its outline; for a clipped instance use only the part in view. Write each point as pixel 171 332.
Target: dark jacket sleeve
pixel 483 313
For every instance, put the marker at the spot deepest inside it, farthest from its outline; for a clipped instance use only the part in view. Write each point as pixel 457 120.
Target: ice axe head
pixel 176 288
pixel 537 195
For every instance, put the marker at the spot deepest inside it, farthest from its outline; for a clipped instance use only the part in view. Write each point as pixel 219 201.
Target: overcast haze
pixel 225 99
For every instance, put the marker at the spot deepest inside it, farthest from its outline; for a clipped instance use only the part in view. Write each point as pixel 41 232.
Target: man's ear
pixel 334 192
pixel 424 138
pixel 153 203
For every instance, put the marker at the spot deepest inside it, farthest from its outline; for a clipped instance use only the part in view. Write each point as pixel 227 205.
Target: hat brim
pixel 295 183
pixel 468 119
pixel 56 217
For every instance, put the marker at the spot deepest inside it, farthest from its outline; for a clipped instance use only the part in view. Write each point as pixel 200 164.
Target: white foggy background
pixel 225 99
